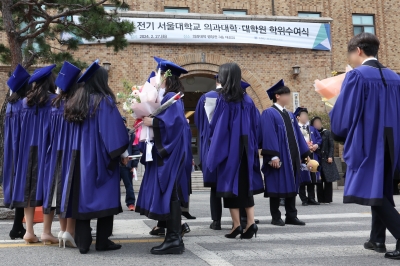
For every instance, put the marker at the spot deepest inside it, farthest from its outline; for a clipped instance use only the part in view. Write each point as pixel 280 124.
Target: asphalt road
pixel 334 235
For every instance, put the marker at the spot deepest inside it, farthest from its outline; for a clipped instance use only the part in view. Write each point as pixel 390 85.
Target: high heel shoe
pixel 60 240
pixel 49 239
pixel 252 230
pixel 235 232
pixel 68 240
pixel 30 238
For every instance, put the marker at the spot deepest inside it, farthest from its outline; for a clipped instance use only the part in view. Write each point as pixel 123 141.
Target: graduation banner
pixel 315 36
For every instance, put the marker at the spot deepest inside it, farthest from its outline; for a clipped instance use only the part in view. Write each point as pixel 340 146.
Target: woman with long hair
pixel 34 141
pixel 329 171
pixel 18 84
pixel 161 191
pixel 59 154
pixel 233 151
pixel 98 140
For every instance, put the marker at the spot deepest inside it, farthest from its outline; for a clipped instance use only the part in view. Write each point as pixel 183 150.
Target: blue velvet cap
pixel 18 78
pixel 67 76
pixel 165 65
pixel 41 73
pixel 152 75
pixel 89 71
pixel 298 110
pixel 271 91
pixel 244 85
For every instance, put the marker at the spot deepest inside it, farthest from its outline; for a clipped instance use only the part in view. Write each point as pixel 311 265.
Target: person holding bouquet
pixel 366 117
pixel 233 152
pixel 313 139
pixel 283 148
pixel 159 196
pixel 99 139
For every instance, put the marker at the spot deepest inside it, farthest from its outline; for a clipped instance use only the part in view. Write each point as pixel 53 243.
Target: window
pixel 363 23
pixel 109 8
pixel 176 9
pixel 309 15
pixel 234 12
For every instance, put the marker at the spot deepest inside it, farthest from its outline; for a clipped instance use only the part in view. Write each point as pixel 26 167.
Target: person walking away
pixel 283 149
pixel 366 118
pixel 328 169
pixel 233 151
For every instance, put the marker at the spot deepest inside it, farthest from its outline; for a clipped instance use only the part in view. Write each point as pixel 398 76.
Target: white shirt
pixel 307 137
pixel 368 59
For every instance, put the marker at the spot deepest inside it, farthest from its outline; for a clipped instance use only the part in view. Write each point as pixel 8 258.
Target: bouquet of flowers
pixel 129 96
pixel 329 88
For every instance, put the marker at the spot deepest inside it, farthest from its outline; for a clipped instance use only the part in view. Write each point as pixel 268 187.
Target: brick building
pixel 262 65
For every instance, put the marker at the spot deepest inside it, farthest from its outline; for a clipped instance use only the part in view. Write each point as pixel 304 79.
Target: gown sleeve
pixel 219 146
pixel 112 131
pixel 168 127
pixel 268 136
pixel 318 138
pixel 347 106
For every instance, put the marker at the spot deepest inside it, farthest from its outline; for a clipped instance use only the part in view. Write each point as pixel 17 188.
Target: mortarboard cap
pixel 175 69
pixel 18 78
pixel 271 91
pixel 299 110
pixel 41 73
pixel 67 76
pixel 89 71
pixel 152 75
pixel 244 85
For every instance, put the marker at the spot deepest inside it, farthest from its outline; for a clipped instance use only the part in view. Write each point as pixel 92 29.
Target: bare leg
pixel 47 221
pixel 63 224
pixel 71 226
pixel 235 218
pixel 250 216
pixel 29 213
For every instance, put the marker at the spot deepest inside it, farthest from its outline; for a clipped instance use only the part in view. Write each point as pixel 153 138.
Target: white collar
pixel 279 107
pixel 302 125
pixel 368 59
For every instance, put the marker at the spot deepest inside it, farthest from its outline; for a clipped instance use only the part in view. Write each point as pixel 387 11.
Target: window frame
pixel 176 8
pixel 310 13
pixel 235 10
pixel 363 25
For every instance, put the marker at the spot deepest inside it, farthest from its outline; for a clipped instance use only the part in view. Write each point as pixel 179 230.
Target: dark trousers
pixel 83 232
pixel 310 192
pixel 384 216
pixel 290 207
pixel 215 205
pixel 325 192
pixel 126 176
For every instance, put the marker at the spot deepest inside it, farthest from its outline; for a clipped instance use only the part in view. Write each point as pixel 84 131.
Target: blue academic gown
pixel 186 181
pixel 233 134
pixel 12 130
pixel 168 165
pixel 367 116
pixel 282 182
pixel 102 139
pixel 64 142
pixel 33 145
pixel 203 127
pixel 316 139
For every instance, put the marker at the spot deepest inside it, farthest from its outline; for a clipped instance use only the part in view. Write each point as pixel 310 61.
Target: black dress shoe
pixel 279 222
pixel 157 231
pixel 17 234
pixel 378 247
pixel 394 255
pixel 235 233
pixel 294 221
pixel 304 203
pixel 215 225
pixel 312 202
pixel 185 229
pixel 110 246
pixel 84 251
pixel 188 216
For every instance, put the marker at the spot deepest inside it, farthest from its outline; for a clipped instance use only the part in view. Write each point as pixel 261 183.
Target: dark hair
pixel 315 118
pixel 230 77
pixel 173 84
pixel 39 94
pixel 280 91
pixel 20 94
pixel 367 42
pixel 65 96
pixel 78 106
pixel 301 111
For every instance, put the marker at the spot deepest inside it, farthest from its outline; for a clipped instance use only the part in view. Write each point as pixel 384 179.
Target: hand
pixel 125 161
pixel 307 159
pixel 148 122
pixel 314 147
pixel 276 163
pixel 330 160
